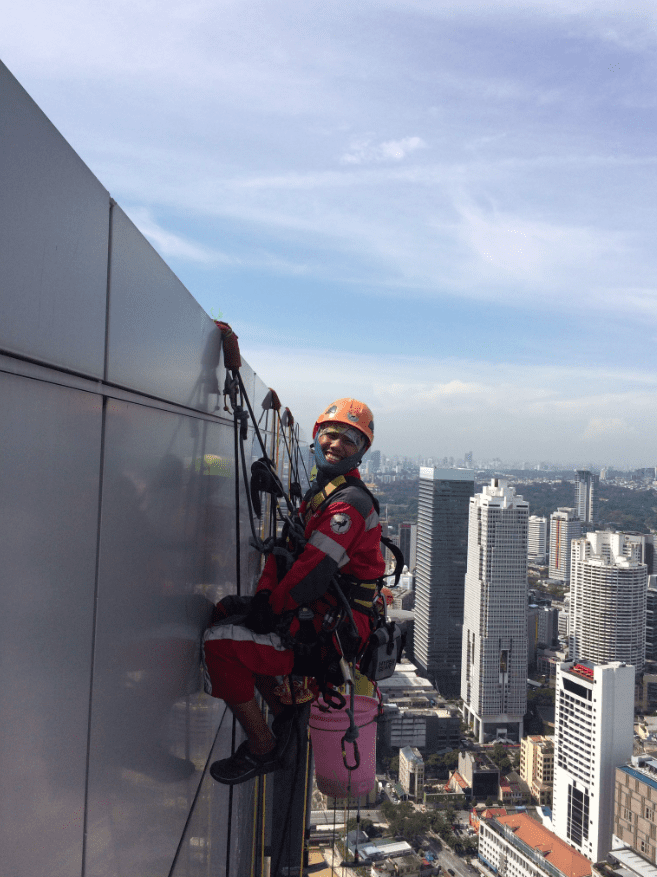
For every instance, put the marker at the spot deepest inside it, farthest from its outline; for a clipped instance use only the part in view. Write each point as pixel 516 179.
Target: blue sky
pixel 446 209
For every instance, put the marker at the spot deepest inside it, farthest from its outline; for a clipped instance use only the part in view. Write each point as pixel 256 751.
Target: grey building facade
pixel 586 495
pixel 442 545
pixel 117 488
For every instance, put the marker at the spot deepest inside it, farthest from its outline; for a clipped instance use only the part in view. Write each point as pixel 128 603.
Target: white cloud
pixel 432 406
pixel 170 245
pixel 533 250
pixel 365 152
pixel 605 428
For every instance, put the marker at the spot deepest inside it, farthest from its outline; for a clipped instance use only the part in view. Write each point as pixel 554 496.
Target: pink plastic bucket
pixel 326 732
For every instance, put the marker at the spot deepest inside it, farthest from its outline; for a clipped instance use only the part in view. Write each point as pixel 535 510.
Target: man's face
pixel 336 445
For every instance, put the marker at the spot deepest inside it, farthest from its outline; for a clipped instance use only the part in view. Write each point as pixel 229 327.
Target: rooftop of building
pixel 417 711
pixel 382 847
pixel 410 753
pixel 431 473
pixel 583 669
pixel 456 776
pixel 541 740
pixel 630 864
pixel 499 493
pixel 645 771
pixel 551 848
pixel 481 761
pixel 406 675
pixel 492 812
pixel 586 669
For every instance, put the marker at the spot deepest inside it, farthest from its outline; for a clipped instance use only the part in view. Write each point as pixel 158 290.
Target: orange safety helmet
pixel 351 412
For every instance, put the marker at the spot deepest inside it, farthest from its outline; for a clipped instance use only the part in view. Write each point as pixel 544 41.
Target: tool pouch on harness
pixel 382 652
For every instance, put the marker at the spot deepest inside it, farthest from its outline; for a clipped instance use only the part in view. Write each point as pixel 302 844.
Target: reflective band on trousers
pixel 330 547
pixel 237 633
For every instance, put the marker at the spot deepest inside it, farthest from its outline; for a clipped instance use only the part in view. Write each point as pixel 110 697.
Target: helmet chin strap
pixel 341 468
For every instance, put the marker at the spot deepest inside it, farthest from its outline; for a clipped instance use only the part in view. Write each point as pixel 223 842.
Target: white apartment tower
pixel 537 539
pixel 593 735
pixel 564 527
pixel 494 662
pixel 586 495
pixel 608 593
pixel 442 549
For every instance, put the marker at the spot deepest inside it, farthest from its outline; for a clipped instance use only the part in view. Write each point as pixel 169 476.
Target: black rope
pixel 230 805
pixel 287 836
pixel 300 455
pixel 287 448
pixel 333 839
pixel 238 577
pixel 237 375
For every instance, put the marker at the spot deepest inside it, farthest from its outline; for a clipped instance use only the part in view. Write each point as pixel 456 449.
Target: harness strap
pixel 322 495
pixel 361 594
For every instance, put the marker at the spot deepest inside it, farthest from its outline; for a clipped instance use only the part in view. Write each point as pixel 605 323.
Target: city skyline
pixel 487 463
pixel 465 193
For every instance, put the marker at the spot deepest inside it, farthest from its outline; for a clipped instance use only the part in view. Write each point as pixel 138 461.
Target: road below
pixel 447 859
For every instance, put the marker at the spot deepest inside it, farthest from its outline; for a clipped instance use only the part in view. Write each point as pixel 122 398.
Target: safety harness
pixel 315 652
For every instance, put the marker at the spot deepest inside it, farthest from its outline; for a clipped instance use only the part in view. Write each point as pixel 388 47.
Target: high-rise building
pixel 494 661
pixel 593 735
pixel 564 617
pixel 542 629
pixel 408 544
pixel 442 542
pixel 537 539
pixel 564 527
pixel 644 548
pixel 651 619
pixel 375 460
pixel 586 495
pixel 608 588
pixel 537 767
pixel 411 772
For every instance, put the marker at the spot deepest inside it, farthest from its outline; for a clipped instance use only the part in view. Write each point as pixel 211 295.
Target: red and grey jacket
pixel 343 535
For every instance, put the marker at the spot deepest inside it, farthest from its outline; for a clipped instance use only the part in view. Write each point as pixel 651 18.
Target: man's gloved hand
pixel 229 606
pixel 261 618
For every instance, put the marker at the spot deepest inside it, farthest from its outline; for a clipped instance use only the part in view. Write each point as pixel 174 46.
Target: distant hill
pixel 620 507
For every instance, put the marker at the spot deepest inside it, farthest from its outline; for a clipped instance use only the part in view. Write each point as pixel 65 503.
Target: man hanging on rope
pixel 341 537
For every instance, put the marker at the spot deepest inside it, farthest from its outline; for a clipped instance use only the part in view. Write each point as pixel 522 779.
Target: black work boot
pixel 243 765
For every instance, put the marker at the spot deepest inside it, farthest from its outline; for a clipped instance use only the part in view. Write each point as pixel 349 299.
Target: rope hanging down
pixel 264 478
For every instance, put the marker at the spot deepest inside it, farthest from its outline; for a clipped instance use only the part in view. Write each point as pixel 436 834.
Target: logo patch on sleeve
pixel 340 523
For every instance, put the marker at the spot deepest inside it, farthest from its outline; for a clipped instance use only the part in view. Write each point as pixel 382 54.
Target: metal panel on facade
pixel 222 829
pixel 50 438
pixel 166 555
pixel 161 342
pixel 99 635
pixel 54 226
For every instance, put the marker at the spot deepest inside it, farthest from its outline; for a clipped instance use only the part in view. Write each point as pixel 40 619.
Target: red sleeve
pixel 335 533
pixel 269 576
